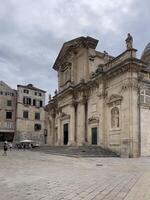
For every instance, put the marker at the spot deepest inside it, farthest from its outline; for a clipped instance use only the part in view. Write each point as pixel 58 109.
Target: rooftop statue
pixel 129 41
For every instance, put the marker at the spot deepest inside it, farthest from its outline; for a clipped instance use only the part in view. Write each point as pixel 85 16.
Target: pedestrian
pixel 5 148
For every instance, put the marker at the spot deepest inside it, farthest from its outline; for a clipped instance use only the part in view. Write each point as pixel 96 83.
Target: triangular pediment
pixel 71 45
pixel 114 97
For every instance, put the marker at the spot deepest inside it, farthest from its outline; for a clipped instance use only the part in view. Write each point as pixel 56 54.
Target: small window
pixel 1 93
pixel 142 98
pixel 35 93
pixel 34 102
pixel 25 114
pixel 26 91
pixel 41 103
pixel 37 127
pixel 40 94
pixel 8 115
pixel 37 116
pixel 6 93
pixel 9 103
pixel 145 96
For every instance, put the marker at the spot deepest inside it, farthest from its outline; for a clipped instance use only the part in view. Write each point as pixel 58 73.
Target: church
pixel 101 100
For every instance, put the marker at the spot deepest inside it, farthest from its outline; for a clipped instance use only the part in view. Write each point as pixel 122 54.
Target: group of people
pixel 8 146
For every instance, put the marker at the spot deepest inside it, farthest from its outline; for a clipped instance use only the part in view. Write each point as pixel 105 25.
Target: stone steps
pixel 83 151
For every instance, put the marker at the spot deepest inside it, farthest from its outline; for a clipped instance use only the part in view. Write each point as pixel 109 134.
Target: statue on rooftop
pixel 106 57
pixel 129 41
pixel 56 92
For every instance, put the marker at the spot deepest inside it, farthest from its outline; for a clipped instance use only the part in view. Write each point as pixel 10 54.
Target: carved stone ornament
pixel 114 99
pixel 93 119
pixel 102 94
pixel 130 84
pixel 64 116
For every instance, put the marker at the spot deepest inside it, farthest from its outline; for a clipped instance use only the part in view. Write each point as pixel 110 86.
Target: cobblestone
pixel 27 175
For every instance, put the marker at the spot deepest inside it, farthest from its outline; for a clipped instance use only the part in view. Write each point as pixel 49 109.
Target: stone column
pixel 130 126
pixel 81 123
pixel 53 130
pixel 59 131
pixel 72 127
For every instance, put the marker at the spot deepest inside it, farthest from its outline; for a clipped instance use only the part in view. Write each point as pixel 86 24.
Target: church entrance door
pixel 65 134
pixel 94 136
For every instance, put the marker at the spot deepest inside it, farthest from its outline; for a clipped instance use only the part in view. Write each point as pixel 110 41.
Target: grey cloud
pixel 32 33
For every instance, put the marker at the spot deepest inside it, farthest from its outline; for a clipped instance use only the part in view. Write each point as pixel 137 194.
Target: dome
pixel 146 54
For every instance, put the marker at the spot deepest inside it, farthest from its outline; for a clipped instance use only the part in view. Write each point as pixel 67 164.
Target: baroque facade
pixel 98 101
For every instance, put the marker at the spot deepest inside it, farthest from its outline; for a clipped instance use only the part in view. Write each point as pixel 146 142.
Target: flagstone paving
pixel 27 175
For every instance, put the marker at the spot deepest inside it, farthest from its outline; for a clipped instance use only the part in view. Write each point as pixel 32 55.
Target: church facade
pixel 101 100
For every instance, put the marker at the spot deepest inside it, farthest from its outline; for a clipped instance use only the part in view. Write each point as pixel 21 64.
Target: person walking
pixel 5 148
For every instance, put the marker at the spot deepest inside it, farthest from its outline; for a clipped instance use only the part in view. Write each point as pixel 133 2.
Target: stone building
pixel 98 100
pixel 30 117
pixel 7 112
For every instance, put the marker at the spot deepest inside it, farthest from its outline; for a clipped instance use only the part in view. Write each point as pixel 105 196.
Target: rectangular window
pixel 145 96
pixel 9 103
pixel 37 127
pixel 41 104
pixel 8 115
pixel 34 102
pixel 37 103
pixel 25 114
pixel 142 98
pixel 35 93
pixel 26 91
pixel 26 100
pixel 37 116
pixel 40 94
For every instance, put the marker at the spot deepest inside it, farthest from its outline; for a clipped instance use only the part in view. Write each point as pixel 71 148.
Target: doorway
pixel 94 136
pixel 65 134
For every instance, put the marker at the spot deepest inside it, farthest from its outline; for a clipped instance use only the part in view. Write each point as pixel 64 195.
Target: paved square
pixel 27 175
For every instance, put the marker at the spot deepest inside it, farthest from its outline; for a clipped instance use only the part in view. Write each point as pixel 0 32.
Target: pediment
pixel 93 119
pixel 114 98
pixel 72 45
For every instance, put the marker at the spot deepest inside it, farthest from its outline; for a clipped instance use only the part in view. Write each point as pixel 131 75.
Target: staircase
pixel 83 151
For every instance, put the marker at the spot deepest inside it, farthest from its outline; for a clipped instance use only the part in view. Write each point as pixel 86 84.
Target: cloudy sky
pixel 33 31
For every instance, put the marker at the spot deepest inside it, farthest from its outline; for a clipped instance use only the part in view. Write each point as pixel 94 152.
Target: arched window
pixel 115 117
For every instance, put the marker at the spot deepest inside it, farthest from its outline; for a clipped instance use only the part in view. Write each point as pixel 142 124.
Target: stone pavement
pixel 27 175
